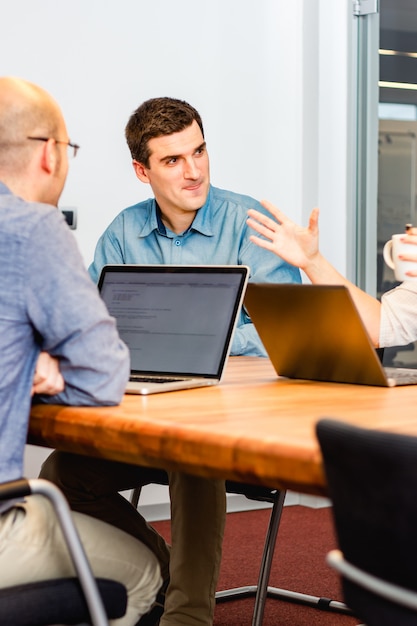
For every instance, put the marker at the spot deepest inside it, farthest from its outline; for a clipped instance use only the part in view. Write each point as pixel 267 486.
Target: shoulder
pixel 51 239
pixel 136 213
pixel 233 200
pixel 403 293
pixel 21 219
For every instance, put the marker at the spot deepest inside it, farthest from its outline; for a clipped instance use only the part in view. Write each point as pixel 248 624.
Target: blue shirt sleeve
pixel 108 251
pixel 72 321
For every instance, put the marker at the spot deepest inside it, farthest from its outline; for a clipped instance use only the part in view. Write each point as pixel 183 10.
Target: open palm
pixel 296 245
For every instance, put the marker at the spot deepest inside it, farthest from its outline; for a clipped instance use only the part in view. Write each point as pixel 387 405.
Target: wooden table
pixel 253 427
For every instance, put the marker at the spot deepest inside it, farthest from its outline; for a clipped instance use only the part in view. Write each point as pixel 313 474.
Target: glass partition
pixel 396 189
pixel 397 142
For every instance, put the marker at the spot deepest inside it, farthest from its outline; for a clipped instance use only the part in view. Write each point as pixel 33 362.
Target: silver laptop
pixel 177 321
pixel 315 332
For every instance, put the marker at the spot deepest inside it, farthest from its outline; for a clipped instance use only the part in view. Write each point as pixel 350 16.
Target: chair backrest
pixel 372 482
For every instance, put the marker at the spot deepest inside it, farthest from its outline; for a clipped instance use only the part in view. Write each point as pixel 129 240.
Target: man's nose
pixel 190 169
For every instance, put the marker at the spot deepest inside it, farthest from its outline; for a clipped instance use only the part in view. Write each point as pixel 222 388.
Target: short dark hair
pixel 154 118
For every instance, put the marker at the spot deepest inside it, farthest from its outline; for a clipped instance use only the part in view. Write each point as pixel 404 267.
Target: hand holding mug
pixel 400 254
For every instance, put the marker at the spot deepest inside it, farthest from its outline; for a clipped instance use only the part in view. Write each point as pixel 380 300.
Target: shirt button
pixel 178 242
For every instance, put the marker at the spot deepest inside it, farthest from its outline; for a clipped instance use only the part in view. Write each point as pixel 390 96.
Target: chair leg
pixel 261 591
pixel 266 563
pixel 134 496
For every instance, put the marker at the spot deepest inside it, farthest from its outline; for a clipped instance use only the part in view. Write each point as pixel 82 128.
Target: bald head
pixel 25 110
pixel 34 170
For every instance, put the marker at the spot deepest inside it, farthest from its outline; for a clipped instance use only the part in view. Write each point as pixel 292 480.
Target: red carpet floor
pixel 304 538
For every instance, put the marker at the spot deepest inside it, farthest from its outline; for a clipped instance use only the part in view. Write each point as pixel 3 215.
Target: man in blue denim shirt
pixel 56 338
pixel 187 222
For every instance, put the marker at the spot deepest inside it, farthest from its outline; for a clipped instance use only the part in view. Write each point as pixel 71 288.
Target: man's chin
pixel 195 200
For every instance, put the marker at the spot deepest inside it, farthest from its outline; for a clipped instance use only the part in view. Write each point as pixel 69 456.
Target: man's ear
pixel 49 156
pixel 140 171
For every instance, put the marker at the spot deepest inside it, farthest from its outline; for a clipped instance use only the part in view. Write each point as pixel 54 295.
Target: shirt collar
pixel 202 223
pixel 161 225
pixel 151 222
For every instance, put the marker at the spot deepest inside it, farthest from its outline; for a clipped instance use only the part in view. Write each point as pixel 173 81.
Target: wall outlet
pixel 70 214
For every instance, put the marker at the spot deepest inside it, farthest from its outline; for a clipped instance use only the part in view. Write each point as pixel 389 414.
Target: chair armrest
pixel 23 487
pixel 389 591
pixel 14 489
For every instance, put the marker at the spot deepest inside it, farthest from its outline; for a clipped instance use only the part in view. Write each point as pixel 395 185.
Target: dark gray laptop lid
pixel 175 320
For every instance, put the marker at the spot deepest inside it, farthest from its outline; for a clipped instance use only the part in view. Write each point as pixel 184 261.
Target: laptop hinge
pixel 365 7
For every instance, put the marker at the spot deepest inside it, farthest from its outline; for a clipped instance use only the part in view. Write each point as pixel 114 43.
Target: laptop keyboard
pixel 153 379
pixel 402 376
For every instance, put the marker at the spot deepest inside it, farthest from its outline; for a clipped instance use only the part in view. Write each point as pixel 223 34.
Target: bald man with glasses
pixel 57 344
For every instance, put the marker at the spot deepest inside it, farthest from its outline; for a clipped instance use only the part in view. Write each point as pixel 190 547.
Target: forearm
pixel 320 271
pixel 95 367
pixel 300 247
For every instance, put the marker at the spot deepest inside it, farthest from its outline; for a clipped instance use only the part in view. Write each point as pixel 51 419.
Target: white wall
pixel 101 59
pixel 336 122
pixel 269 77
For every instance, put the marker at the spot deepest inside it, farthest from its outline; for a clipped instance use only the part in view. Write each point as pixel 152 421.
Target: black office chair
pixel 76 600
pixel 372 481
pixel 261 590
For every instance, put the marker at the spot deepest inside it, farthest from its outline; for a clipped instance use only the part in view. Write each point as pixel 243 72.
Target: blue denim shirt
pixel 48 302
pixel 218 236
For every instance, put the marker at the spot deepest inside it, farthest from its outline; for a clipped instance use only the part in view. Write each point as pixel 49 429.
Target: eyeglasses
pixel 75 147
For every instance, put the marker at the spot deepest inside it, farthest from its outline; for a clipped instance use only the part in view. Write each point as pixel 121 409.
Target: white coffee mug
pixel 392 249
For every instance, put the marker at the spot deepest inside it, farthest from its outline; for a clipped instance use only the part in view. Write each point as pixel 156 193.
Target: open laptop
pixel 315 332
pixel 177 321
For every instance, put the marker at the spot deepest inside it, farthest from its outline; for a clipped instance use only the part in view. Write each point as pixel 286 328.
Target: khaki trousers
pixel 32 548
pixel 198 513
